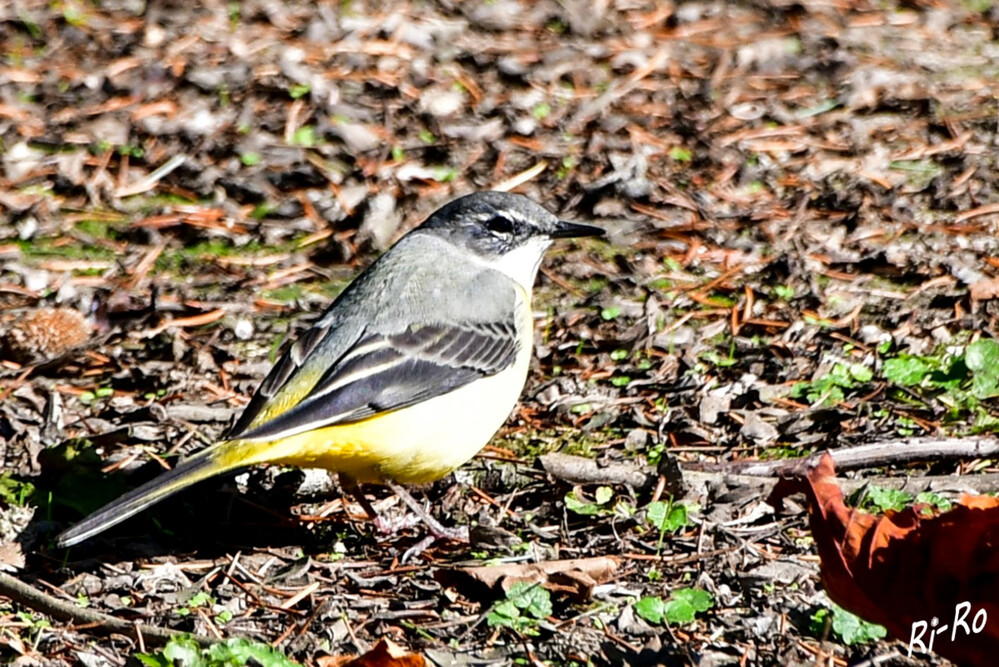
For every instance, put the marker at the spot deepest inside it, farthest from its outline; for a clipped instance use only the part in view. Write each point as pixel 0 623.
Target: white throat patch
pixel 522 263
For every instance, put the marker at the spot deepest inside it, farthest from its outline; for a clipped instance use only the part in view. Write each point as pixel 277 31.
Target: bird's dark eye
pixel 499 225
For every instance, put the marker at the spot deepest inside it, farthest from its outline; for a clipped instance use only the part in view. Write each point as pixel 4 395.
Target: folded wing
pixel 378 373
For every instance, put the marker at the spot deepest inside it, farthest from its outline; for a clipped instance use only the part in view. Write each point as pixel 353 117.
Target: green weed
pixel 233 653
pixel 14 491
pixel 682 606
pixel 846 625
pixel 524 606
pixel 832 387
pixel 958 380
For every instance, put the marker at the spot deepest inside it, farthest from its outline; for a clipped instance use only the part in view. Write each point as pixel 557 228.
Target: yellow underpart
pixel 414 445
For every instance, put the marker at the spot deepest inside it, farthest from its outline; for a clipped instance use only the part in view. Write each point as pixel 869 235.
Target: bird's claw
pixel 387 526
pixel 459 534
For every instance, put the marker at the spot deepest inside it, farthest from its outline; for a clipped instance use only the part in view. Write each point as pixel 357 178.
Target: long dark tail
pixel 201 466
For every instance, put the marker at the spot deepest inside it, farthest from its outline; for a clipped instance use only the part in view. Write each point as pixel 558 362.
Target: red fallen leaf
pixel 931 579
pixel 384 654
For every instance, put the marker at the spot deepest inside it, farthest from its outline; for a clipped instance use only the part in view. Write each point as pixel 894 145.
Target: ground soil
pixel 795 193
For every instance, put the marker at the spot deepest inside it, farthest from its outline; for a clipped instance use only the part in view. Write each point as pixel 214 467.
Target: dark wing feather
pixel 381 373
pixel 285 367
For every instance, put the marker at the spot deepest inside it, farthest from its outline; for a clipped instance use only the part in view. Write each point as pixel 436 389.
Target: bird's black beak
pixel 570 230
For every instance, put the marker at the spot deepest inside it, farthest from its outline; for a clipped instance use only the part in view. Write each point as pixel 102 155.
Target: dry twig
pixel 34 599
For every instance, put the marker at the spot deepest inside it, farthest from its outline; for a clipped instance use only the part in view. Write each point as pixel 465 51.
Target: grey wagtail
pixel 409 373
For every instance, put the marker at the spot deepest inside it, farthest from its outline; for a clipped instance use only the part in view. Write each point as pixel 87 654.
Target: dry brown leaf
pixel 11 557
pixel 384 654
pixel 985 289
pixel 906 568
pixel 574 578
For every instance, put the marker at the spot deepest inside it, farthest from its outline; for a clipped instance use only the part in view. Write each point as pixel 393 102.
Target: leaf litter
pixel 802 210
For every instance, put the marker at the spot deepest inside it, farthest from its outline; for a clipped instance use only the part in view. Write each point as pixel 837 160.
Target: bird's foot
pixel 390 526
pixel 455 534
pixel 419 514
pixel 417 549
pixel 437 532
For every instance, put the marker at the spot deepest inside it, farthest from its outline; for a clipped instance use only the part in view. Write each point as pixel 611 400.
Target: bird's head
pixel 505 231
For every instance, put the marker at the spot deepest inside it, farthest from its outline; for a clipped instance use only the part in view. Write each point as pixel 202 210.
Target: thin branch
pixel 763 474
pixel 890 452
pixel 34 599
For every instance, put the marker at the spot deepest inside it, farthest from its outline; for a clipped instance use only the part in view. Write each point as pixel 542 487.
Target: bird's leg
pixel 383 525
pixel 388 527
pixel 438 530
